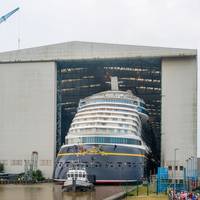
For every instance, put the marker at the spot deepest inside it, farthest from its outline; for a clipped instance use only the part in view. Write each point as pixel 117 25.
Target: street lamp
pixel 195 164
pixel 187 173
pixel 192 167
pixel 193 170
pixel 187 168
pixel 176 149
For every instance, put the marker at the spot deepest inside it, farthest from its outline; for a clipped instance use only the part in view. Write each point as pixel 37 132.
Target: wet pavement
pixel 51 191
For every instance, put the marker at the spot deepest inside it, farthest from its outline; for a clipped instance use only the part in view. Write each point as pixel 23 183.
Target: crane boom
pixel 6 16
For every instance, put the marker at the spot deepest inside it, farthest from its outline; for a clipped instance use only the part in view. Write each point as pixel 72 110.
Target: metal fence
pixel 164 182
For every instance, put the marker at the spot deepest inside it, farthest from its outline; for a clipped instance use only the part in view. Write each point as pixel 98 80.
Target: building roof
pixel 90 50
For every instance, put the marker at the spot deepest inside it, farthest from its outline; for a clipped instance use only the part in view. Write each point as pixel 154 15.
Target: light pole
pixel 193 170
pixel 195 167
pixel 187 168
pixel 187 175
pixel 189 172
pixel 192 167
pixel 176 149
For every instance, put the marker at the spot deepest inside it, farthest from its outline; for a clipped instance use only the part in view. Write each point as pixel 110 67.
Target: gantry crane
pixel 6 16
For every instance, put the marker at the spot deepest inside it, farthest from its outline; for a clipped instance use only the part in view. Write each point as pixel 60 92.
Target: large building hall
pixel 40 89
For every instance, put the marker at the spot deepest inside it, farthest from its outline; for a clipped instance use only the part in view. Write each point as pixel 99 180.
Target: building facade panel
pixel 179 110
pixel 34 94
pixel 27 115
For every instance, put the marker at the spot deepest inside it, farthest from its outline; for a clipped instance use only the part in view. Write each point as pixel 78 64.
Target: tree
pixel 37 175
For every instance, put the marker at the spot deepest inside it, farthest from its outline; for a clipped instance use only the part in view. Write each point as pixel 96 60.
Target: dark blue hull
pixel 109 163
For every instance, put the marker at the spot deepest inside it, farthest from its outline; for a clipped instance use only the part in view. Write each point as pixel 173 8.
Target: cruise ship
pixel 106 135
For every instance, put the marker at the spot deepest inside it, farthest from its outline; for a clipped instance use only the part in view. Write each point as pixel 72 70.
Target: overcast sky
pixel 170 23
pixel 174 23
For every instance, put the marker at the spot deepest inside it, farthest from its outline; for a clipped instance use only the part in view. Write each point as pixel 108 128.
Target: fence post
pixel 147 188
pixel 157 185
pixel 137 188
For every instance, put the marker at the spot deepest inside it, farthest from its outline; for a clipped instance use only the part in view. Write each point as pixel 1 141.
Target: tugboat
pixel 77 179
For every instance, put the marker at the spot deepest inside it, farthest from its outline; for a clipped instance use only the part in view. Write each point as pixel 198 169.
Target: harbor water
pixel 51 191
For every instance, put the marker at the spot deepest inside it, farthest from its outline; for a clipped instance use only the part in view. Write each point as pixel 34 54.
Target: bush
pixel 37 175
pixel 1 168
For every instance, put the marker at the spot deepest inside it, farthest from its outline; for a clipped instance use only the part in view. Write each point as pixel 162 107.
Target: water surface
pixel 50 191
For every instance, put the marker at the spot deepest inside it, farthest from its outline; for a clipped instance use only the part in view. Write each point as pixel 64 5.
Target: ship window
pixel 114 140
pixel 181 168
pixel 143 105
pixel 119 164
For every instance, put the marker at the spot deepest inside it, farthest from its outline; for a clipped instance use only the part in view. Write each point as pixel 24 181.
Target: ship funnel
pixel 114 83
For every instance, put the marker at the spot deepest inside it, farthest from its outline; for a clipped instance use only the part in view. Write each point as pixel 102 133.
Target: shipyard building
pixel 40 89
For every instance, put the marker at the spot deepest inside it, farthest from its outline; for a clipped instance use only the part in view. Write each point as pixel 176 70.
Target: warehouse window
pixel 45 162
pixel 4 162
pixel 16 162
pixel 170 167
pixel 181 168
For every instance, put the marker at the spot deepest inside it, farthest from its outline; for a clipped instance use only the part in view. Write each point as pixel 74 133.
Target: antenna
pixel 6 16
pixel 19 31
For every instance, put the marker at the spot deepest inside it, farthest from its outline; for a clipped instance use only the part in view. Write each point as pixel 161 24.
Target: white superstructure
pixel 108 117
